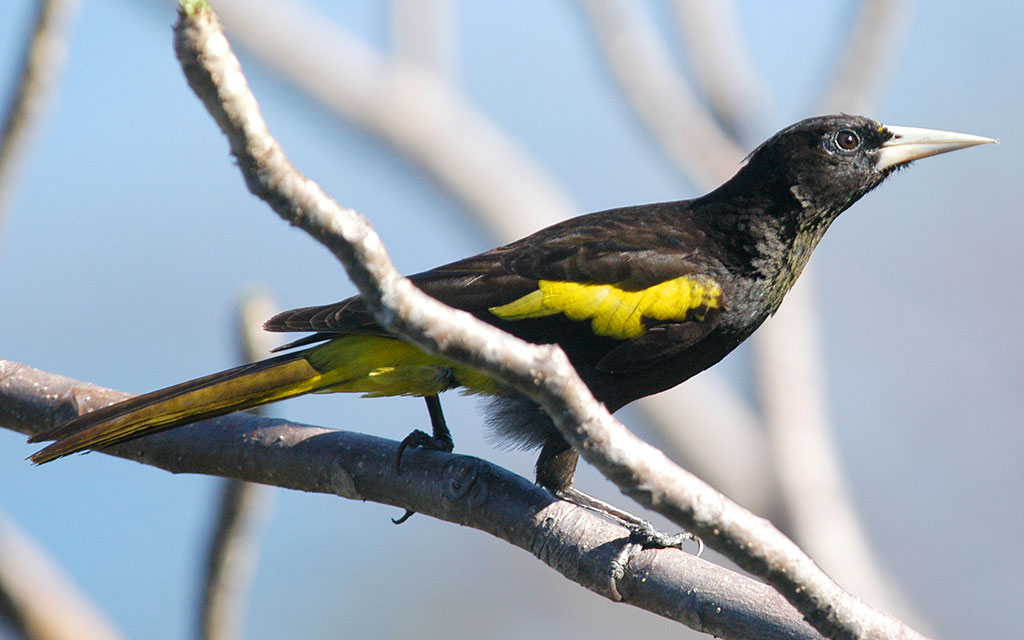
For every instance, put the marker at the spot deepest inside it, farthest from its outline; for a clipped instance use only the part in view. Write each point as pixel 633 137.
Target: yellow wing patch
pixel 614 311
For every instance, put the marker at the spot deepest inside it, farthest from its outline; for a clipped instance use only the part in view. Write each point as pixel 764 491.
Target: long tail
pixel 214 395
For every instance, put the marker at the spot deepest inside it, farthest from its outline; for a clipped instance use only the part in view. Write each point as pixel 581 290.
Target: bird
pixel 639 298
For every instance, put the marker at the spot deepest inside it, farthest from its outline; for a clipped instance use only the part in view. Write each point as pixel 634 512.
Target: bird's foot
pixel 419 440
pixel 441 440
pixel 422 440
pixel 642 535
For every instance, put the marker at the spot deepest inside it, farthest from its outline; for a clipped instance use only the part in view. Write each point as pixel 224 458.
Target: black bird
pixel 639 298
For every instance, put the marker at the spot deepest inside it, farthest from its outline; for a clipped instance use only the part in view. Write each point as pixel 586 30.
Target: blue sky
pixel 131 236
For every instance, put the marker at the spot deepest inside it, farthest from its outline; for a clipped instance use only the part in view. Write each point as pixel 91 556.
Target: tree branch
pixel 411 108
pixel 806 478
pixel 459 489
pixel 423 33
pixel 789 363
pixel 434 125
pixel 541 372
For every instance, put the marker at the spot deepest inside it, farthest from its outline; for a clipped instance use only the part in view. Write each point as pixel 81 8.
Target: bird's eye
pixel 847 139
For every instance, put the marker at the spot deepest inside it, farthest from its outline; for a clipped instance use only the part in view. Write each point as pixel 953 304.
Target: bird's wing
pixel 638 282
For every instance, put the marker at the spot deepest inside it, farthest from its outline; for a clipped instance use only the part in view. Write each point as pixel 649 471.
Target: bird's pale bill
pixel 912 143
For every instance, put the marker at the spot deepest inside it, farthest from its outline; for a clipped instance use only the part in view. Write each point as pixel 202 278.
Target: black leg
pixel 440 440
pixel 438 425
pixel 556 467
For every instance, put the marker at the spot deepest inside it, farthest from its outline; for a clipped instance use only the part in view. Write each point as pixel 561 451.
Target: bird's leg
pixel 641 531
pixel 556 467
pixel 439 440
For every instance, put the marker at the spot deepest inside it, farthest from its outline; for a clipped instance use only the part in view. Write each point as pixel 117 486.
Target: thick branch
pixel 789 361
pixel 459 489
pixel 424 34
pixel 541 372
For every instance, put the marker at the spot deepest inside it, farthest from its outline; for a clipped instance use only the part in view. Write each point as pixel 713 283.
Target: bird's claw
pixel 440 441
pixel 421 440
pixel 643 535
pixel 617 567
pixel 648 537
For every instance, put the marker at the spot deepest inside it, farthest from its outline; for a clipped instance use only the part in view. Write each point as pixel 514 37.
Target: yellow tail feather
pixel 216 395
pixel 371 365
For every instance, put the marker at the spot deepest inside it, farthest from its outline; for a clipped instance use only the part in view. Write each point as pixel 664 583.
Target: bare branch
pixel 543 373
pixel 722 66
pixel 722 438
pixel 37 598
pixel 661 97
pixel 706 155
pixel 40 68
pixel 231 557
pixel 254 343
pixel 411 108
pixel 459 489
pixel 469 156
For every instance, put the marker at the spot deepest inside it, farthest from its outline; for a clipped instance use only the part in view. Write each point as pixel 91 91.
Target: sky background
pixel 131 236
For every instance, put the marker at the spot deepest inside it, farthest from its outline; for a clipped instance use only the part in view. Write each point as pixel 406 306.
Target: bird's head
pixel 829 162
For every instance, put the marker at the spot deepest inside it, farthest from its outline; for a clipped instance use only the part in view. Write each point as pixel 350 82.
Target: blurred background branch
pixel 242 506
pixel 41 63
pixel 37 600
pixel 408 105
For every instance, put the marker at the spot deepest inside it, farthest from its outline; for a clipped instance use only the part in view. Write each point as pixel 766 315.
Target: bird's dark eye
pixel 847 139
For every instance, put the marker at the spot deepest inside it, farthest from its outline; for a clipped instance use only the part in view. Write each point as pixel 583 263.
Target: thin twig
pixel 459 489
pixel 706 421
pixel 541 372
pixel 40 69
